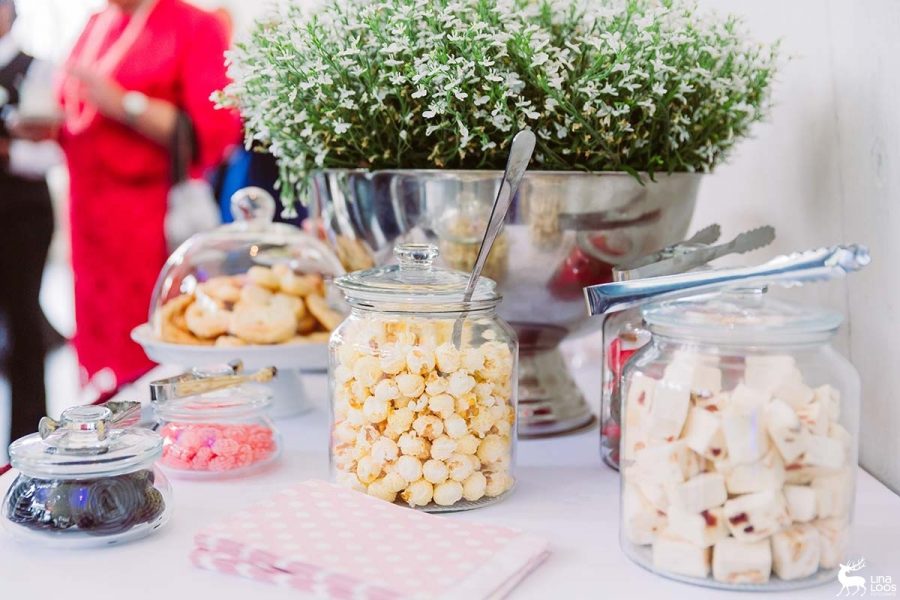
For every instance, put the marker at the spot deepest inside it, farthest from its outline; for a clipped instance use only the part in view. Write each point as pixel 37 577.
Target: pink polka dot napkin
pixel 332 542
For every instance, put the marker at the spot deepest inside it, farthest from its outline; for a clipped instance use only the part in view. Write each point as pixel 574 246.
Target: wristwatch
pixel 134 104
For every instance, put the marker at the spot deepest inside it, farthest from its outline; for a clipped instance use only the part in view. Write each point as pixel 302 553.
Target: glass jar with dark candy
pixel 88 479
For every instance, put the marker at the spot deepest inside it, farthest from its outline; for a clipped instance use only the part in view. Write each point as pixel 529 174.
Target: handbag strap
pixel 183 150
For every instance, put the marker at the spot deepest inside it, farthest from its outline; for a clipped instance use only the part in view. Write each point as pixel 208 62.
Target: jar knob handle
pixel 252 204
pixel 416 256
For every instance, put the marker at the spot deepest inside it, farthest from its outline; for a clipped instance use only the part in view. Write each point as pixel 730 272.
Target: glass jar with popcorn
pixel 418 419
pixel 739 447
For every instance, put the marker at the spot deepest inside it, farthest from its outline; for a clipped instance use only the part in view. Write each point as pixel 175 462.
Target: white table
pixel 565 494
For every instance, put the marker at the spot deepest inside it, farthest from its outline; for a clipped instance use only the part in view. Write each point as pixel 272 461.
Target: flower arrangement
pixel 621 85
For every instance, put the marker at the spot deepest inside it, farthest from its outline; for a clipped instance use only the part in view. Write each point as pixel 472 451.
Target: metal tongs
pixel 694 252
pixel 787 271
pixel 196 382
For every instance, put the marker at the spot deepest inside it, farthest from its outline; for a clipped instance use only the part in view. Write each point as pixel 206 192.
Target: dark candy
pixel 104 506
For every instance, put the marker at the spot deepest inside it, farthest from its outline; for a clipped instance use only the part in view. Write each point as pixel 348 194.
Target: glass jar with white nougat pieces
pixel 739 447
pixel 423 387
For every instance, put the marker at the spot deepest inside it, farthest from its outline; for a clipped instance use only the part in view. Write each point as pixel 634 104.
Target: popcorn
pixel 386 390
pixel 455 426
pixel 468 444
pixel 375 410
pixel 492 448
pixel 702 529
pixel 442 447
pixel 401 419
pixel 367 470
pixel 459 384
pixel 419 493
pixel 367 370
pixel 420 360
pixel 675 555
pixel 435 471
pixel 699 493
pixel 753 517
pixel 801 502
pixel 393 482
pixel 735 561
pixel 408 467
pixel 472 359
pixel 765 474
pixel 640 519
pixel 435 384
pixel 384 450
pixel 442 405
pixel 795 552
pixel 497 482
pixel 448 493
pixel 474 486
pixel 834 537
pixel 428 426
pixel 447 358
pixel 393 358
pixel 410 385
pixel 461 466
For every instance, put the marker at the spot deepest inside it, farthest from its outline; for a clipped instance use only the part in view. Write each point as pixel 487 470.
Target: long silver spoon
pixel 520 152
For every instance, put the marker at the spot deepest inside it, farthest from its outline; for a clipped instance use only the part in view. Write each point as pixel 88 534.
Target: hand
pixel 104 93
pixel 33 130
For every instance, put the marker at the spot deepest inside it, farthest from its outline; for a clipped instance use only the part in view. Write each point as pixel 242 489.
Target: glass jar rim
pixel 228 403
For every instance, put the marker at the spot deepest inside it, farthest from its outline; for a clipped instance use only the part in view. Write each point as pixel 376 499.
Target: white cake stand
pixel 291 360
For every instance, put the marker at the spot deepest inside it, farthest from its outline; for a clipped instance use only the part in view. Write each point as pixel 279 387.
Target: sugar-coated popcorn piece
pixel 475 486
pixel 834 494
pixel 460 383
pixel 435 471
pixel 349 480
pixel 481 422
pixel 367 470
pixel 394 482
pixel 753 517
pixel 461 466
pixel 785 430
pixel 467 444
pixel 359 392
pixel 640 519
pixel 743 426
pixel 447 358
pixel 435 384
pixel 428 426
pixel 386 390
pixel 393 358
pixel 673 462
pixel 442 405
pixel 408 467
pixel 401 419
pixel 419 493
pixel 676 555
pixel 669 409
pixel 736 561
pixel 492 448
pixel 455 426
pixel 442 447
pixel 383 451
pixel 420 360
pixel 814 417
pixel 795 393
pixel 344 432
pixel 472 359
pixel 410 385
pixel 765 474
pixel 484 393
pixel 703 434
pixel 830 398
pixel 801 502
pixel 795 552
pixel 448 493
pixel 706 490
pixel 367 370
pixel 824 452
pixel 834 538
pixel 376 410
pixel 702 529
pixel 342 375
pixel 769 372
pixel 497 482
pixel 411 444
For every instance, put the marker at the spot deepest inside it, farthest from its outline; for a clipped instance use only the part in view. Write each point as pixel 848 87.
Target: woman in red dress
pixel 136 66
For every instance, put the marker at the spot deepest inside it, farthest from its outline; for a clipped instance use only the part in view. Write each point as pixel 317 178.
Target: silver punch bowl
pixel 564 231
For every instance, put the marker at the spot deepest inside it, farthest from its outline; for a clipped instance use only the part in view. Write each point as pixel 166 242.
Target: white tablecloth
pixel 565 494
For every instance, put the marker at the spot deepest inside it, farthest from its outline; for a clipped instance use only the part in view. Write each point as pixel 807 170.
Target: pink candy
pixel 211 447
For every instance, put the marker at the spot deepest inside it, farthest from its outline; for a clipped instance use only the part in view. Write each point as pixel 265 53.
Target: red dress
pixel 119 179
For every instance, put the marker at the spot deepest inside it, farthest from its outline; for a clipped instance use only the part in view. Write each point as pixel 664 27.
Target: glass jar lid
pixel 416 281
pixel 226 403
pixel 84 443
pixel 738 317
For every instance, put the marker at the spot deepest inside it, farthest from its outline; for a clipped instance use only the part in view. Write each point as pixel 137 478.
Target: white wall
pixel 826 169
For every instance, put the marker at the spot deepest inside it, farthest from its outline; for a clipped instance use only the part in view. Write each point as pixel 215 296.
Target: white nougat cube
pixel 796 552
pixel 764 474
pixel 830 398
pixel 699 493
pixel 753 517
pixel 770 372
pixel 824 452
pixel 640 518
pixel 834 494
pixel 707 381
pixel 798 473
pixel 676 555
pixel 672 462
pixel 743 426
pixel 640 394
pixel 701 529
pixel 714 404
pixel 834 537
pixel 795 393
pixel 735 561
pixel 653 491
pixel 785 429
pixel 838 432
pixel 669 409
pixel 814 417
pixel 801 502
pixel 703 434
